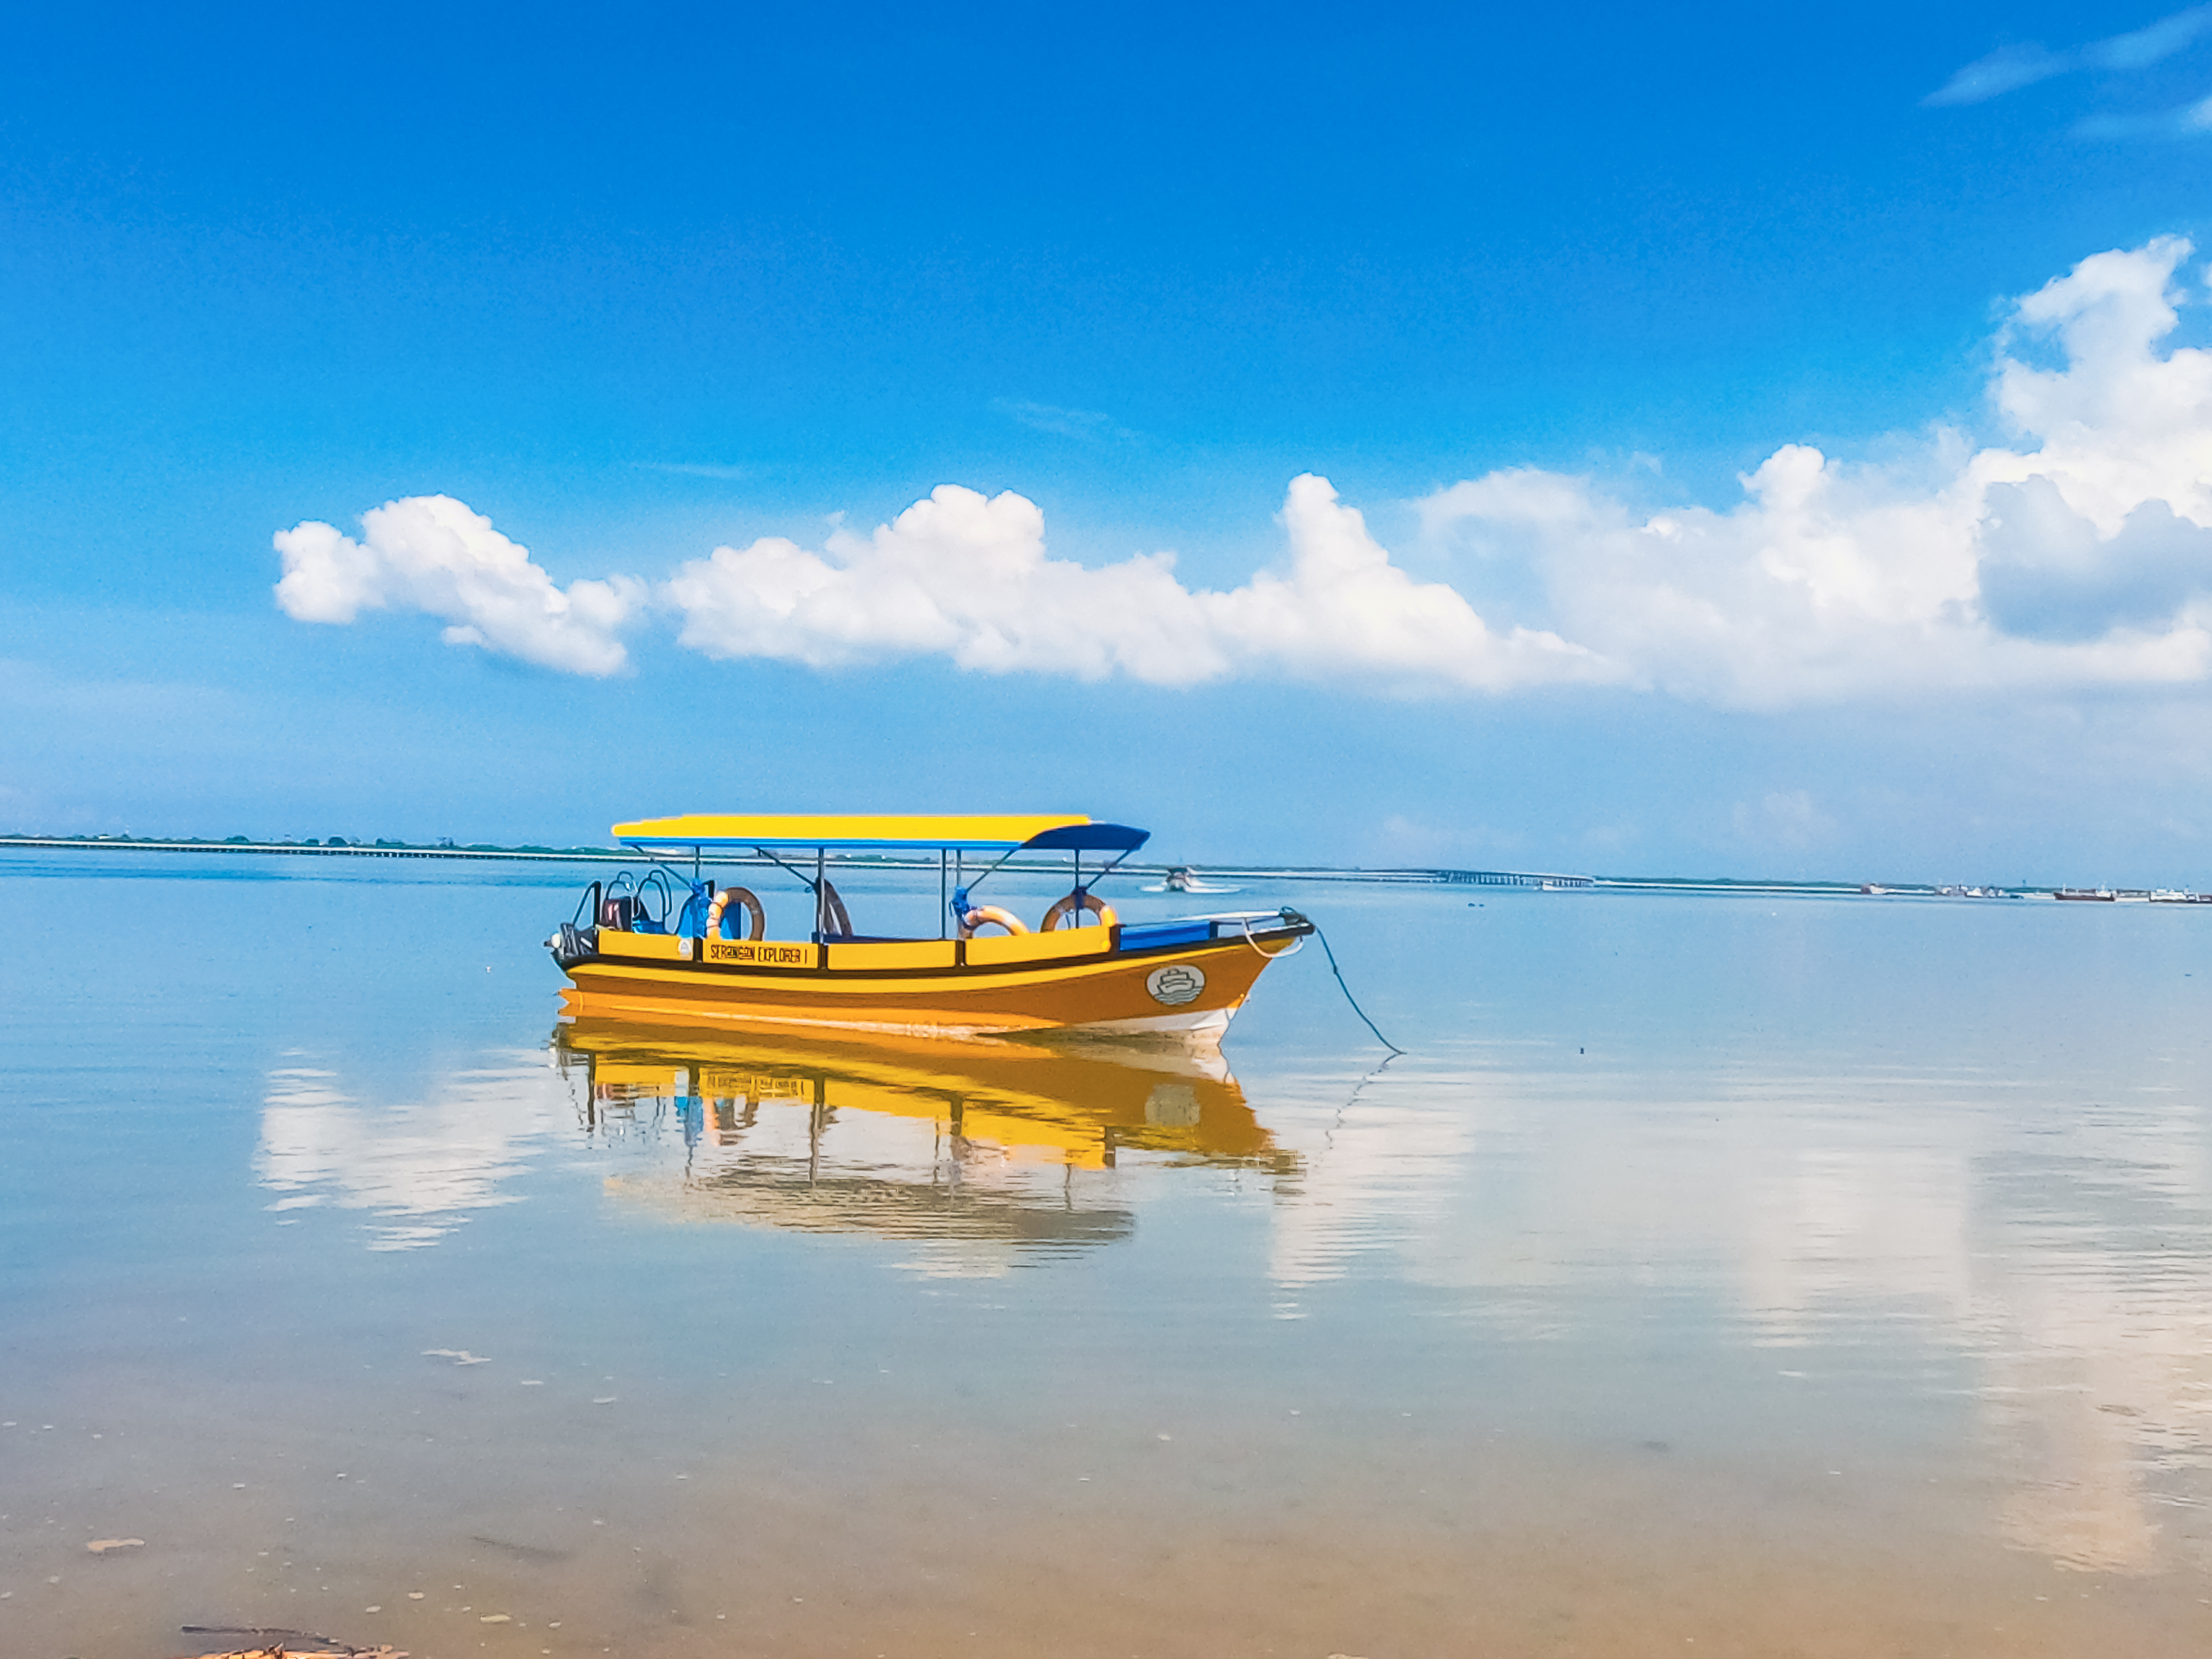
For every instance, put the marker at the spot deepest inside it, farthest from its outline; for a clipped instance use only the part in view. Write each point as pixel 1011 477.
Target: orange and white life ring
pixel 1072 905
pixel 986 916
pixel 756 918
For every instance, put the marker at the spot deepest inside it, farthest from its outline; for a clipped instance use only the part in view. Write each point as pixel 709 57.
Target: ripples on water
pixel 1831 1276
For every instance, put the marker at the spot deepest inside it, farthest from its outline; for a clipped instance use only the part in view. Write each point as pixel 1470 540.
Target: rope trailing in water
pixel 1342 987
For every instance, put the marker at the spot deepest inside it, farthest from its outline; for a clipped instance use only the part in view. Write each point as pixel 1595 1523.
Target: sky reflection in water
pixel 1854 1233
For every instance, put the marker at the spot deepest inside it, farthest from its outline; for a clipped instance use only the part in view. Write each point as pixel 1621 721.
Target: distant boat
pixel 2097 895
pixel 1181 878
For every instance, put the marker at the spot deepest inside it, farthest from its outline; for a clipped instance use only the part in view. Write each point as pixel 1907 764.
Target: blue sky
pixel 1601 440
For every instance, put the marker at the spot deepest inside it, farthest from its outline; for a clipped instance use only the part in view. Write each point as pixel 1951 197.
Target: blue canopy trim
pixel 1088 838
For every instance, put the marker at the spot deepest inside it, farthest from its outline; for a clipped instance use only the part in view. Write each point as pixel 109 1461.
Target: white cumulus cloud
pixel 968 577
pixel 2074 550
pixel 436 554
pixel 2078 555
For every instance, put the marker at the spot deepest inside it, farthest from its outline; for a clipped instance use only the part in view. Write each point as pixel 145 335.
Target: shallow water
pixel 1731 1275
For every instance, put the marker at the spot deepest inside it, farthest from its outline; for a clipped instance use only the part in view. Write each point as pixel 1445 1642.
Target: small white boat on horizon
pixel 1181 878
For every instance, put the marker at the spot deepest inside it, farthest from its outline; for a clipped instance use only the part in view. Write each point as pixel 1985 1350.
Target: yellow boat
pixel 673 949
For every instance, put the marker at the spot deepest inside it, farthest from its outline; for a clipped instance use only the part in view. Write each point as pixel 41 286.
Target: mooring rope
pixel 1340 985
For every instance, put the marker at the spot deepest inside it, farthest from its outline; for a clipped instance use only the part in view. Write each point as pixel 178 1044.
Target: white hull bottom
pixel 1206 1027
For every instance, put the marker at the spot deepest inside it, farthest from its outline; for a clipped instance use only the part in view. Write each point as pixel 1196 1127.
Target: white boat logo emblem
pixel 1174 986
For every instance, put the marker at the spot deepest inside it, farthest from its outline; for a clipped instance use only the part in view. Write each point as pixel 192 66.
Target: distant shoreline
pixel 482 853
pixel 1541 880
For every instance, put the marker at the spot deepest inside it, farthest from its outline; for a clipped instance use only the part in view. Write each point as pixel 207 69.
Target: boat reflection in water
pixel 1007 1143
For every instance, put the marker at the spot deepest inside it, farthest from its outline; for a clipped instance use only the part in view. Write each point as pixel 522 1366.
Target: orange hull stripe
pixel 1065 993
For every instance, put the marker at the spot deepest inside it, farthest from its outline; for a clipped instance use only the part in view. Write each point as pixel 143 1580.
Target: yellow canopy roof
pixel 983 831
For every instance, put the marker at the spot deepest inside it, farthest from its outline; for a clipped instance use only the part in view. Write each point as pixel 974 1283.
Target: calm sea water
pixel 1714 1275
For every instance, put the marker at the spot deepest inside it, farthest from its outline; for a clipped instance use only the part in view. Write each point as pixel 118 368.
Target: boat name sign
pixel 776 955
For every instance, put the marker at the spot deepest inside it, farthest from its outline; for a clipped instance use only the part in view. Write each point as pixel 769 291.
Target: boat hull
pixel 1081 982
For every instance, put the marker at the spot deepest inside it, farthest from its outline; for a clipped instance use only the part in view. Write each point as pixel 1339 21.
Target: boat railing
pixel 1199 930
pixel 663 900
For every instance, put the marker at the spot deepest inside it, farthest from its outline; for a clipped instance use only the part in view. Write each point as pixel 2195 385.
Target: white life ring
pixel 756 918
pixel 1073 902
pixel 984 915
